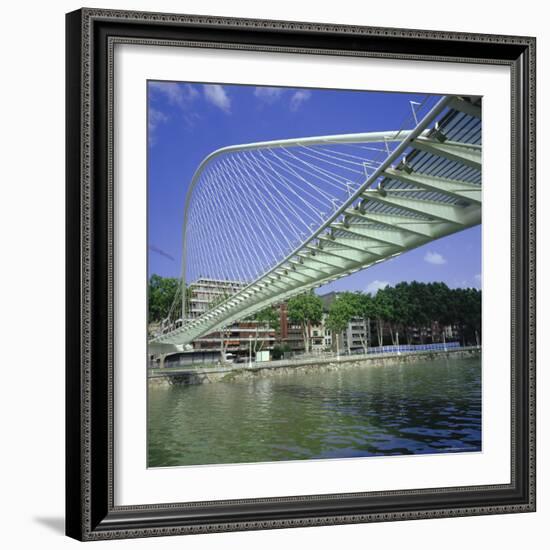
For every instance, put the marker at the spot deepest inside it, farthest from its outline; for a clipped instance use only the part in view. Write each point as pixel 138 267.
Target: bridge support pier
pixel 158 361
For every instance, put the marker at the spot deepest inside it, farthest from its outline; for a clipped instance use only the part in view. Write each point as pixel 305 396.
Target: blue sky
pixel 187 121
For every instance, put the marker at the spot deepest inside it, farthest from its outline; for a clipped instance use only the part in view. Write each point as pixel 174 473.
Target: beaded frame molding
pixel 90 510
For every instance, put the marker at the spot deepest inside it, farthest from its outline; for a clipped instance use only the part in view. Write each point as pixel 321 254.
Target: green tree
pixel 401 311
pixel 421 307
pixel 474 316
pixel 383 311
pixel 279 350
pixel 340 313
pixel 441 307
pixel 467 313
pixel 267 318
pixel 305 309
pixel 366 310
pixel 162 293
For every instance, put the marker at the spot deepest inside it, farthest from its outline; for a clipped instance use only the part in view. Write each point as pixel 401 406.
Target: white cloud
pixel 154 118
pixel 298 98
pixel 268 94
pixel 434 258
pixel 176 94
pixel 375 286
pixel 215 94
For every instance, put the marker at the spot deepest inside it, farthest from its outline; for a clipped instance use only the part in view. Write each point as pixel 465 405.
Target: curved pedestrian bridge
pixel 282 217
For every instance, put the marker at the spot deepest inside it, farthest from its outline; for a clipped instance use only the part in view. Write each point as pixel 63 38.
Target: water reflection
pixel 431 407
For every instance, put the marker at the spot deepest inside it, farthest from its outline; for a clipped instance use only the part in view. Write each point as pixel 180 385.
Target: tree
pixel 421 307
pixel 383 311
pixel 474 314
pixel 442 309
pixel 467 312
pixel 279 350
pixel 341 311
pixel 163 292
pixel 269 319
pixel 365 309
pixel 398 308
pixel 305 309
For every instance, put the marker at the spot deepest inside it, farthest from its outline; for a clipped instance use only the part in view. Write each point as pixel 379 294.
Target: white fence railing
pixel 440 346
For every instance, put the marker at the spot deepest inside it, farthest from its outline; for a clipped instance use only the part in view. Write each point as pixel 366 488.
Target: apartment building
pixel 239 339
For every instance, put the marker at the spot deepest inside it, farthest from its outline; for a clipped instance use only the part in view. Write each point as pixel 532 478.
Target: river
pixel 418 408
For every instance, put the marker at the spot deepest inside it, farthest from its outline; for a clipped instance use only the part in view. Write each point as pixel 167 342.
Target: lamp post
pixel 249 350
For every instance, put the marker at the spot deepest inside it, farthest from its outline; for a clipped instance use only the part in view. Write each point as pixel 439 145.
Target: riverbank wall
pixel 228 373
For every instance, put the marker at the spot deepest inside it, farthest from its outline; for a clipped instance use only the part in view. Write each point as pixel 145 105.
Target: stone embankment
pixel 226 373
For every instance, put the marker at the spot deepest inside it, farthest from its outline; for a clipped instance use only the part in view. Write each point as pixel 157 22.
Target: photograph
pixel 314 274
pixel 300 272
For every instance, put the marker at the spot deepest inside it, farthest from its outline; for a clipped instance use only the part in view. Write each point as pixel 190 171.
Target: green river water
pixel 418 408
